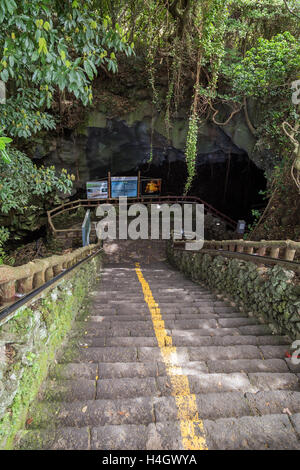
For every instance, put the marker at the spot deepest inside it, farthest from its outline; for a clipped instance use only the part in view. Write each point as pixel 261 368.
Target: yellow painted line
pixel 191 426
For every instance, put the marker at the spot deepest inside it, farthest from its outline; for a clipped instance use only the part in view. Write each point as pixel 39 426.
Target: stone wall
pixel 273 294
pixel 29 342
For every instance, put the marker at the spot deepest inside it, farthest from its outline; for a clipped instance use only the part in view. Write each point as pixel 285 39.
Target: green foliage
pixel 250 19
pixel 3 142
pixel 214 16
pixel 213 52
pixel 4 236
pixel 256 214
pixel 26 192
pixel 210 25
pixel 21 116
pixel 265 75
pixel 22 182
pixel 48 46
pixel 268 67
pixel 191 152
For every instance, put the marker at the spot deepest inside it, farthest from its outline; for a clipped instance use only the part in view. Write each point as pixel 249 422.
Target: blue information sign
pixel 124 186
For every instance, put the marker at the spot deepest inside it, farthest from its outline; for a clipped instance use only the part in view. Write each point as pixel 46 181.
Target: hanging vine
pixel 154 41
pixel 210 25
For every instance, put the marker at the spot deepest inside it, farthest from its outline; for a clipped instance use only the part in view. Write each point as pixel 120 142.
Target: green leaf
pixel 88 69
pixel 4 75
pixel 47 26
pixel 43 46
pixel 10 5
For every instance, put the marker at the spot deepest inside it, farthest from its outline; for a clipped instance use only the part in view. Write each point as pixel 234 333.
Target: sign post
pixel 109 185
pixel 139 185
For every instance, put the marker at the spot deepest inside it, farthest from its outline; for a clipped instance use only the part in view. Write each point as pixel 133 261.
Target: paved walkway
pixel 161 363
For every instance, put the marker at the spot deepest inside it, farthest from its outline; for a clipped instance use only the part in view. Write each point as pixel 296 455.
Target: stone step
pixel 274 432
pixel 146 410
pixel 255 330
pixel 235 382
pixel 110 388
pixel 219 353
pixel 223 337
pixel 141 321
pixel 72 390
pixel 249 365
pixel 165 436
pixel 100 329
pixel 196 338
pixel 106 370
pixel 236 322
pixel 116 316
pixel 156 368
pixel 83 389
pixel 47 439
pixel 265 381
pixel 98 349
pixel 102 354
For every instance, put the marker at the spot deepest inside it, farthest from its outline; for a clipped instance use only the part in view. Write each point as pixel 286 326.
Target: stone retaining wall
pixel 273 294
pixel 30 339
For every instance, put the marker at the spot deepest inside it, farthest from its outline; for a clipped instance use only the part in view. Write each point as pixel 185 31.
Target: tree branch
pixel 180 14
pixel 291 11
pixel 249 123
pixel 216 112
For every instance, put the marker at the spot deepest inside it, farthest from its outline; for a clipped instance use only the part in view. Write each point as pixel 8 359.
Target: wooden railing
pixel 23 279
pixel 91 203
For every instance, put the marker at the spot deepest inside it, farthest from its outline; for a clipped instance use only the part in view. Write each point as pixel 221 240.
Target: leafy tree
pixel 49 45
pixel 266 74
pixel 269 66
pixel 27 191
pixel 210 42
pixel 48 48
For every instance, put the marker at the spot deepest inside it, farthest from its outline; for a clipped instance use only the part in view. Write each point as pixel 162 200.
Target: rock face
pixel 123 145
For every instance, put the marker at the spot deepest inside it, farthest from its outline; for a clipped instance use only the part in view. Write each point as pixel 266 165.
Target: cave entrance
pixel 226 178
pixel 231 183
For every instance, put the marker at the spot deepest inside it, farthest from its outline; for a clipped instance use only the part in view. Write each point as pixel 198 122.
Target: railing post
pixel 289 254
pixel 274 253
pixel 240 248
pixel 8 290
pixel 262 250
pixel 49 273
pixel 25 285
pixel 248 249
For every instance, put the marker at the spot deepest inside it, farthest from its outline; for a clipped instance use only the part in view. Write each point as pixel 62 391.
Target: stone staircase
pixel 110 387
